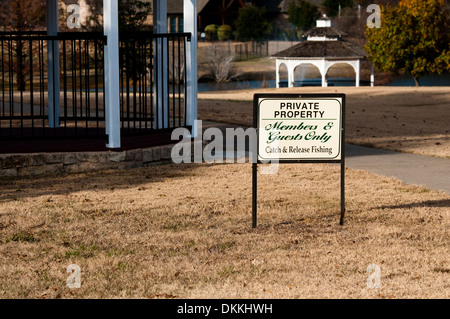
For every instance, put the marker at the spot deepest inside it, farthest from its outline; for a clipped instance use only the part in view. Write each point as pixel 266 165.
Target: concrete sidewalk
pixel 427 171
pixel 431 172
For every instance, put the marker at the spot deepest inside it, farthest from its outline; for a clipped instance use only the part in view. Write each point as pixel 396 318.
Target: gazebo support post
pixel 323 70
pixel 277 74
pixel 324 80
pixel 291 74
pixel 112 76
pixel 53 64
pixel 372 76
pixel 190 25
pixel 161 85
pixel 358 72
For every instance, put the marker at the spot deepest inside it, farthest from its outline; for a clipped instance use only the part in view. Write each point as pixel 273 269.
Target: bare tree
pixel 220 63
pixel 17 16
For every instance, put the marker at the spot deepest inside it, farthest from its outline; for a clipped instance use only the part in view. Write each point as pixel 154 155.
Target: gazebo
pixel 323 48
pixel 141 82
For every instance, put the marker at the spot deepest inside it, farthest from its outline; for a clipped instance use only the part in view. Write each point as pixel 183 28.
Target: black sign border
pixel 256 98
pixel 323 96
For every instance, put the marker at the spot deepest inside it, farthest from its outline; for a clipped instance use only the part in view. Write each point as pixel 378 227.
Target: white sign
pixel 299 128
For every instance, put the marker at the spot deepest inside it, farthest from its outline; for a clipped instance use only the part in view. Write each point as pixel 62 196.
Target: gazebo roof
pixel 322 49
pixel 328 32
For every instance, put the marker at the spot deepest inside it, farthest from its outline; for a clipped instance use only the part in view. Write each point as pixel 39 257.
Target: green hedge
pixel 224 32
pixel 211 32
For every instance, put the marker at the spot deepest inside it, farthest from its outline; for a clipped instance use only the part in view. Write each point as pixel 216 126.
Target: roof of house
pixel 272 6
pixel 322 49
pixel 176 6
pixel 201 4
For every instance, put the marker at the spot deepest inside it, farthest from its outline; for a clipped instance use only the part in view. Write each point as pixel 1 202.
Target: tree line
pixel 414 36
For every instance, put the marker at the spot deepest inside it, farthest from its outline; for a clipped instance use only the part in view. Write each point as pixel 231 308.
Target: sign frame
pixel 298 96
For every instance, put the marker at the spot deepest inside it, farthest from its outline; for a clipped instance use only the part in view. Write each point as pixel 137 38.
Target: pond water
pixel 426 80
pixel 401 80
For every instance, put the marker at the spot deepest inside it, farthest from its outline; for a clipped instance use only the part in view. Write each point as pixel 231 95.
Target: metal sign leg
pixel 342 189
pixel 254 194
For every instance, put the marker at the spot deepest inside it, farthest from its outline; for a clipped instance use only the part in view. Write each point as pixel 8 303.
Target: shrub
pixel 211 32
pixel 224 32
pixel 220 63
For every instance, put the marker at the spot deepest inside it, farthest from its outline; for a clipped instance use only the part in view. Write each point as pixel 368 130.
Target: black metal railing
pixel 17 60
pixel 139 58
pixel 82 83
pixel 24 84
pixel 79 83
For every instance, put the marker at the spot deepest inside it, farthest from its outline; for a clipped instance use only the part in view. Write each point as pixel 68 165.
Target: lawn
pixel 184 231
pixel 405 119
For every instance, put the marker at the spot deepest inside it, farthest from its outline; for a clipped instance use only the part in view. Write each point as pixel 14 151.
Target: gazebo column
pixel 277 74
pixel 112 88
pixel 323 70
pixel 190 25
pixel 53 64
pixel 324 80
pixel 358 72
pixel 161 63
pixel 291 75
pixel 372 76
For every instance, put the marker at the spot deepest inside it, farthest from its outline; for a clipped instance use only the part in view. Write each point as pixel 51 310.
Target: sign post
pixel 299 128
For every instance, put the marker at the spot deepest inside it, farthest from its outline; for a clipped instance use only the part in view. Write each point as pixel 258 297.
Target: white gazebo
pixel 323 48
pixel 111 53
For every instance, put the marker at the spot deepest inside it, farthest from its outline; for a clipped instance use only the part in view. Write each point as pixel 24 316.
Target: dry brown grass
pixel 184 231
pixel 406 119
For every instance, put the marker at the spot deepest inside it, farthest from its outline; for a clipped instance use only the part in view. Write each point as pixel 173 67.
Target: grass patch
pixel 197 242
pixel 22 237
pixel 83 250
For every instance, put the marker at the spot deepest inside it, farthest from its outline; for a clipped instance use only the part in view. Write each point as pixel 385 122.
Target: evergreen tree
pixel 303 14
pixel 252 24
pixel 332 6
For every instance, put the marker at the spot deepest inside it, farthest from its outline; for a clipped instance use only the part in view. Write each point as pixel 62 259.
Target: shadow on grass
pixel 428 203
pixel 16 188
